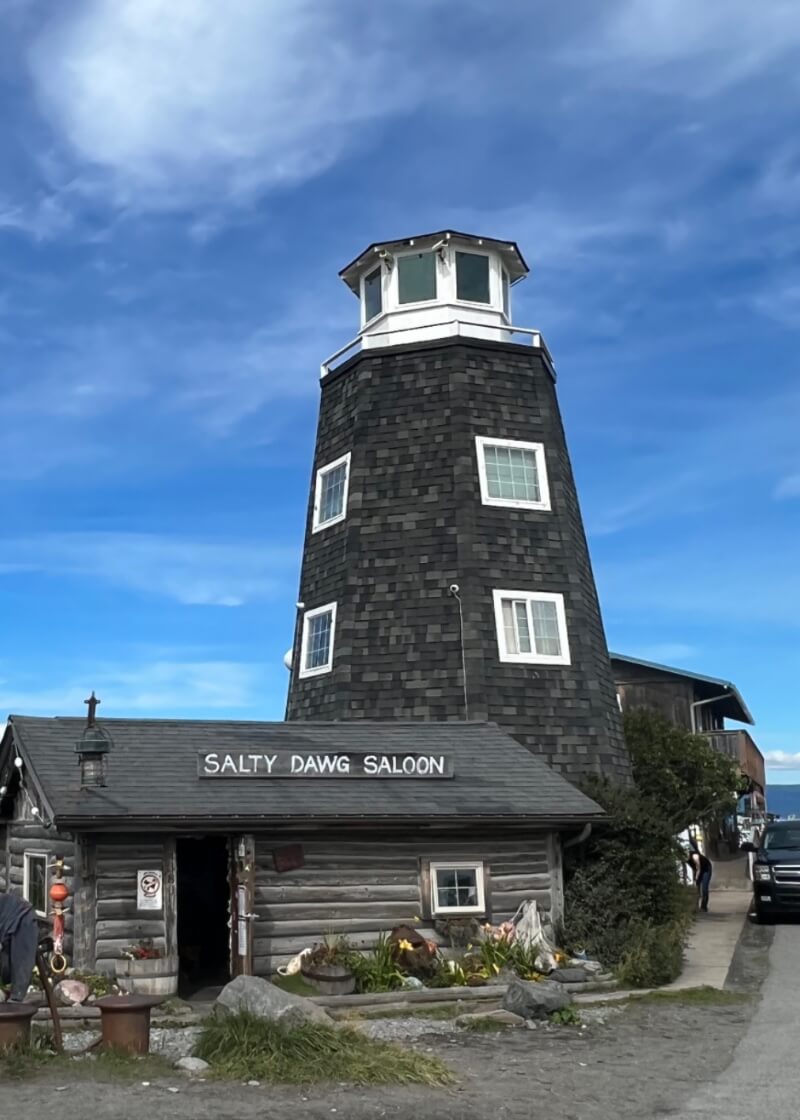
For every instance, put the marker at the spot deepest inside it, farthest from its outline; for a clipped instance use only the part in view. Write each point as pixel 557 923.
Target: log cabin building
pixel 449 675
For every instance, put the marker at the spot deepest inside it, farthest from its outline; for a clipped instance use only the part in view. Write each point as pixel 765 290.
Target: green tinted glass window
pixel 416 275
pixel 373 298
pixel 472 277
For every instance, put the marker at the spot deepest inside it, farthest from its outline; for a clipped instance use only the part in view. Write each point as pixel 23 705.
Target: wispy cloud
pixel 269 95
pixel 788 487
pixel 189 571
pixel 782 760
pixel 161 687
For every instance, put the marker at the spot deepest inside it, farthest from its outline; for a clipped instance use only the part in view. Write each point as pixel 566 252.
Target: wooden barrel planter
pixel 156 976
pixel 329 979
pixel 15 1025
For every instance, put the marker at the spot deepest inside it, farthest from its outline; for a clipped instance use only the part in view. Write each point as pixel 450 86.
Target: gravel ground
pixel 637 1063
pixel 632 1063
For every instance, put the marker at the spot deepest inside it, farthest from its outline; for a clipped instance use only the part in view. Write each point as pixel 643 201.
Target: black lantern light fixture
pixel 92 748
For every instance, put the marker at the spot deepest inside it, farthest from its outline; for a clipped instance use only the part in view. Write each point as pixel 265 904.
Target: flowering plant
pixel 143 950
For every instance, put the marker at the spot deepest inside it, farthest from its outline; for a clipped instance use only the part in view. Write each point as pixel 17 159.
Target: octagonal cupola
pixel 434 286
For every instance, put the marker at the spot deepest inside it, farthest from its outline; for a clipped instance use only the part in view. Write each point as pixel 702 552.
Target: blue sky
pixel 181 182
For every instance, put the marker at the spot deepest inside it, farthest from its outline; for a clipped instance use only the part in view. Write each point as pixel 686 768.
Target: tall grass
pixel 242 1047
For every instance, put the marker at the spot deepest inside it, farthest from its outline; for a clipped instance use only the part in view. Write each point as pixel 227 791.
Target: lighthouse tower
pixel 445 573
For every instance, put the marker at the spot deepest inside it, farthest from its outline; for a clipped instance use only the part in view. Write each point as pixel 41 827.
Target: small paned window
pixel 34 881
pixel 330 495
pixel 531 627
pixel 472 277
pixel 416 277
pixel 457 888
pixel 373 294
pixel 316 653
pixel 512 474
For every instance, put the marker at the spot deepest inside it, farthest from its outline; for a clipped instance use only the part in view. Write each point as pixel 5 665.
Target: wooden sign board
pixel 290 858
pixel 337 764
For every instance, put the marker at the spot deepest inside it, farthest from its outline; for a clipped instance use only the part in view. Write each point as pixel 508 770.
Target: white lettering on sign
pixel 340 764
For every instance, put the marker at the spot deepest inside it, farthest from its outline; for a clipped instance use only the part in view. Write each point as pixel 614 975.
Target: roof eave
pixel 727 686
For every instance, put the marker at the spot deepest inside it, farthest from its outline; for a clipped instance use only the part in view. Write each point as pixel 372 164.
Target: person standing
pixel 701 869
pixel 19 937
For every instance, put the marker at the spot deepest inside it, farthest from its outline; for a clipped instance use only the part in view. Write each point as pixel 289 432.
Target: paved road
pixel 763 1079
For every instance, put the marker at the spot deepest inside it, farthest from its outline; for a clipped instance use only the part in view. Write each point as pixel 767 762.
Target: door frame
pixel 242 862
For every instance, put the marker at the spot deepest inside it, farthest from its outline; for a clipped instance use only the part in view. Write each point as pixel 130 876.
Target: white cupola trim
pixel 435 285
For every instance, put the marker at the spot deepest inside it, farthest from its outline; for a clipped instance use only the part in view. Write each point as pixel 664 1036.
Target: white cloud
pixel 788 487
pixel 690 48
pixel 782 760
pixel 184 100
pixel 169 687
pixel 42 219
pixel 193 572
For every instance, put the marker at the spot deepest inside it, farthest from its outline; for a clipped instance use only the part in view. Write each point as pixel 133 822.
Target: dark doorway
pixel 203 913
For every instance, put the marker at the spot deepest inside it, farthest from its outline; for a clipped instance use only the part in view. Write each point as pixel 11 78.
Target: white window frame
pixel 318 525
pixel 532 658
pixel 26 877
pixel 456 865
pixel 482 442
pixel 318 670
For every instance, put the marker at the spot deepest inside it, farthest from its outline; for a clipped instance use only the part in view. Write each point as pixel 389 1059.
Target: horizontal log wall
pixel 363 888
pixel 31 836
pixel 118 924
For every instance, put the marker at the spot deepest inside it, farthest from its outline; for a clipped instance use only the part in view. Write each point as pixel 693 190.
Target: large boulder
pixel 535 999
pixel 258 997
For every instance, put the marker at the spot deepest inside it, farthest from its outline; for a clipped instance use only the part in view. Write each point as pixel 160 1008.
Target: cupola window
pixel 472 277
pixel 373 294
pixel 416 277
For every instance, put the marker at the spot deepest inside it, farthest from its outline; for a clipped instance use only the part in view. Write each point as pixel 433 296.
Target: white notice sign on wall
pixel 149 890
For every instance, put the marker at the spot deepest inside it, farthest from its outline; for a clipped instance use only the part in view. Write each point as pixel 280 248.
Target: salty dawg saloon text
pixel 340 764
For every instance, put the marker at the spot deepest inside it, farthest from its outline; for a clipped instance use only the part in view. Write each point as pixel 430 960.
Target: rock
pixel 258 997
pixel 192 1066
pixel 70 993
pixel 173 1044
pixel 535 999
pixel 569 975
pixel 500 1015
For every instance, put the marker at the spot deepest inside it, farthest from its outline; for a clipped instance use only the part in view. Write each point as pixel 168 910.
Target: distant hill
pixel 784 800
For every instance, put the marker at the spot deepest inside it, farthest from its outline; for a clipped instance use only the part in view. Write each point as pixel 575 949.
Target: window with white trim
pixel 330 493
pixel 316 650
pixel 457 888
pixel 34 880
pixel 531 627
pixel 512 473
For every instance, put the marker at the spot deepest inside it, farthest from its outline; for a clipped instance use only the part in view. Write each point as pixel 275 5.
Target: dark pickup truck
pixel 776 870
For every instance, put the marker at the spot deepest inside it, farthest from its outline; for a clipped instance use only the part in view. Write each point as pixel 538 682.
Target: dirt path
pixel 639 1062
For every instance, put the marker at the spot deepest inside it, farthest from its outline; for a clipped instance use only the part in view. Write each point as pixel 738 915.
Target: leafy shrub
pixel 377 972
pixel 654 956
pixel 624 903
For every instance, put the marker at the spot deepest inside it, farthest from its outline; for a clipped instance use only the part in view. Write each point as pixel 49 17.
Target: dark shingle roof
pixel 153 773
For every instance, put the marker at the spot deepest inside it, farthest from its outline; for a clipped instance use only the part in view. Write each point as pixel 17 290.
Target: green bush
pixel 654 956
pixel 624 903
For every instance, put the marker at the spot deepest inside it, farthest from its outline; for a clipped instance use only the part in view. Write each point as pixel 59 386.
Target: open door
pixel 243 880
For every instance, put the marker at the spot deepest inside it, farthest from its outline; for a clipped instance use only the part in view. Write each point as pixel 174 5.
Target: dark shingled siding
pixel 415 524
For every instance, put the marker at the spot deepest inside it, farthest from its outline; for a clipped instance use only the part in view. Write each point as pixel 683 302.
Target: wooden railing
pixel 739 746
